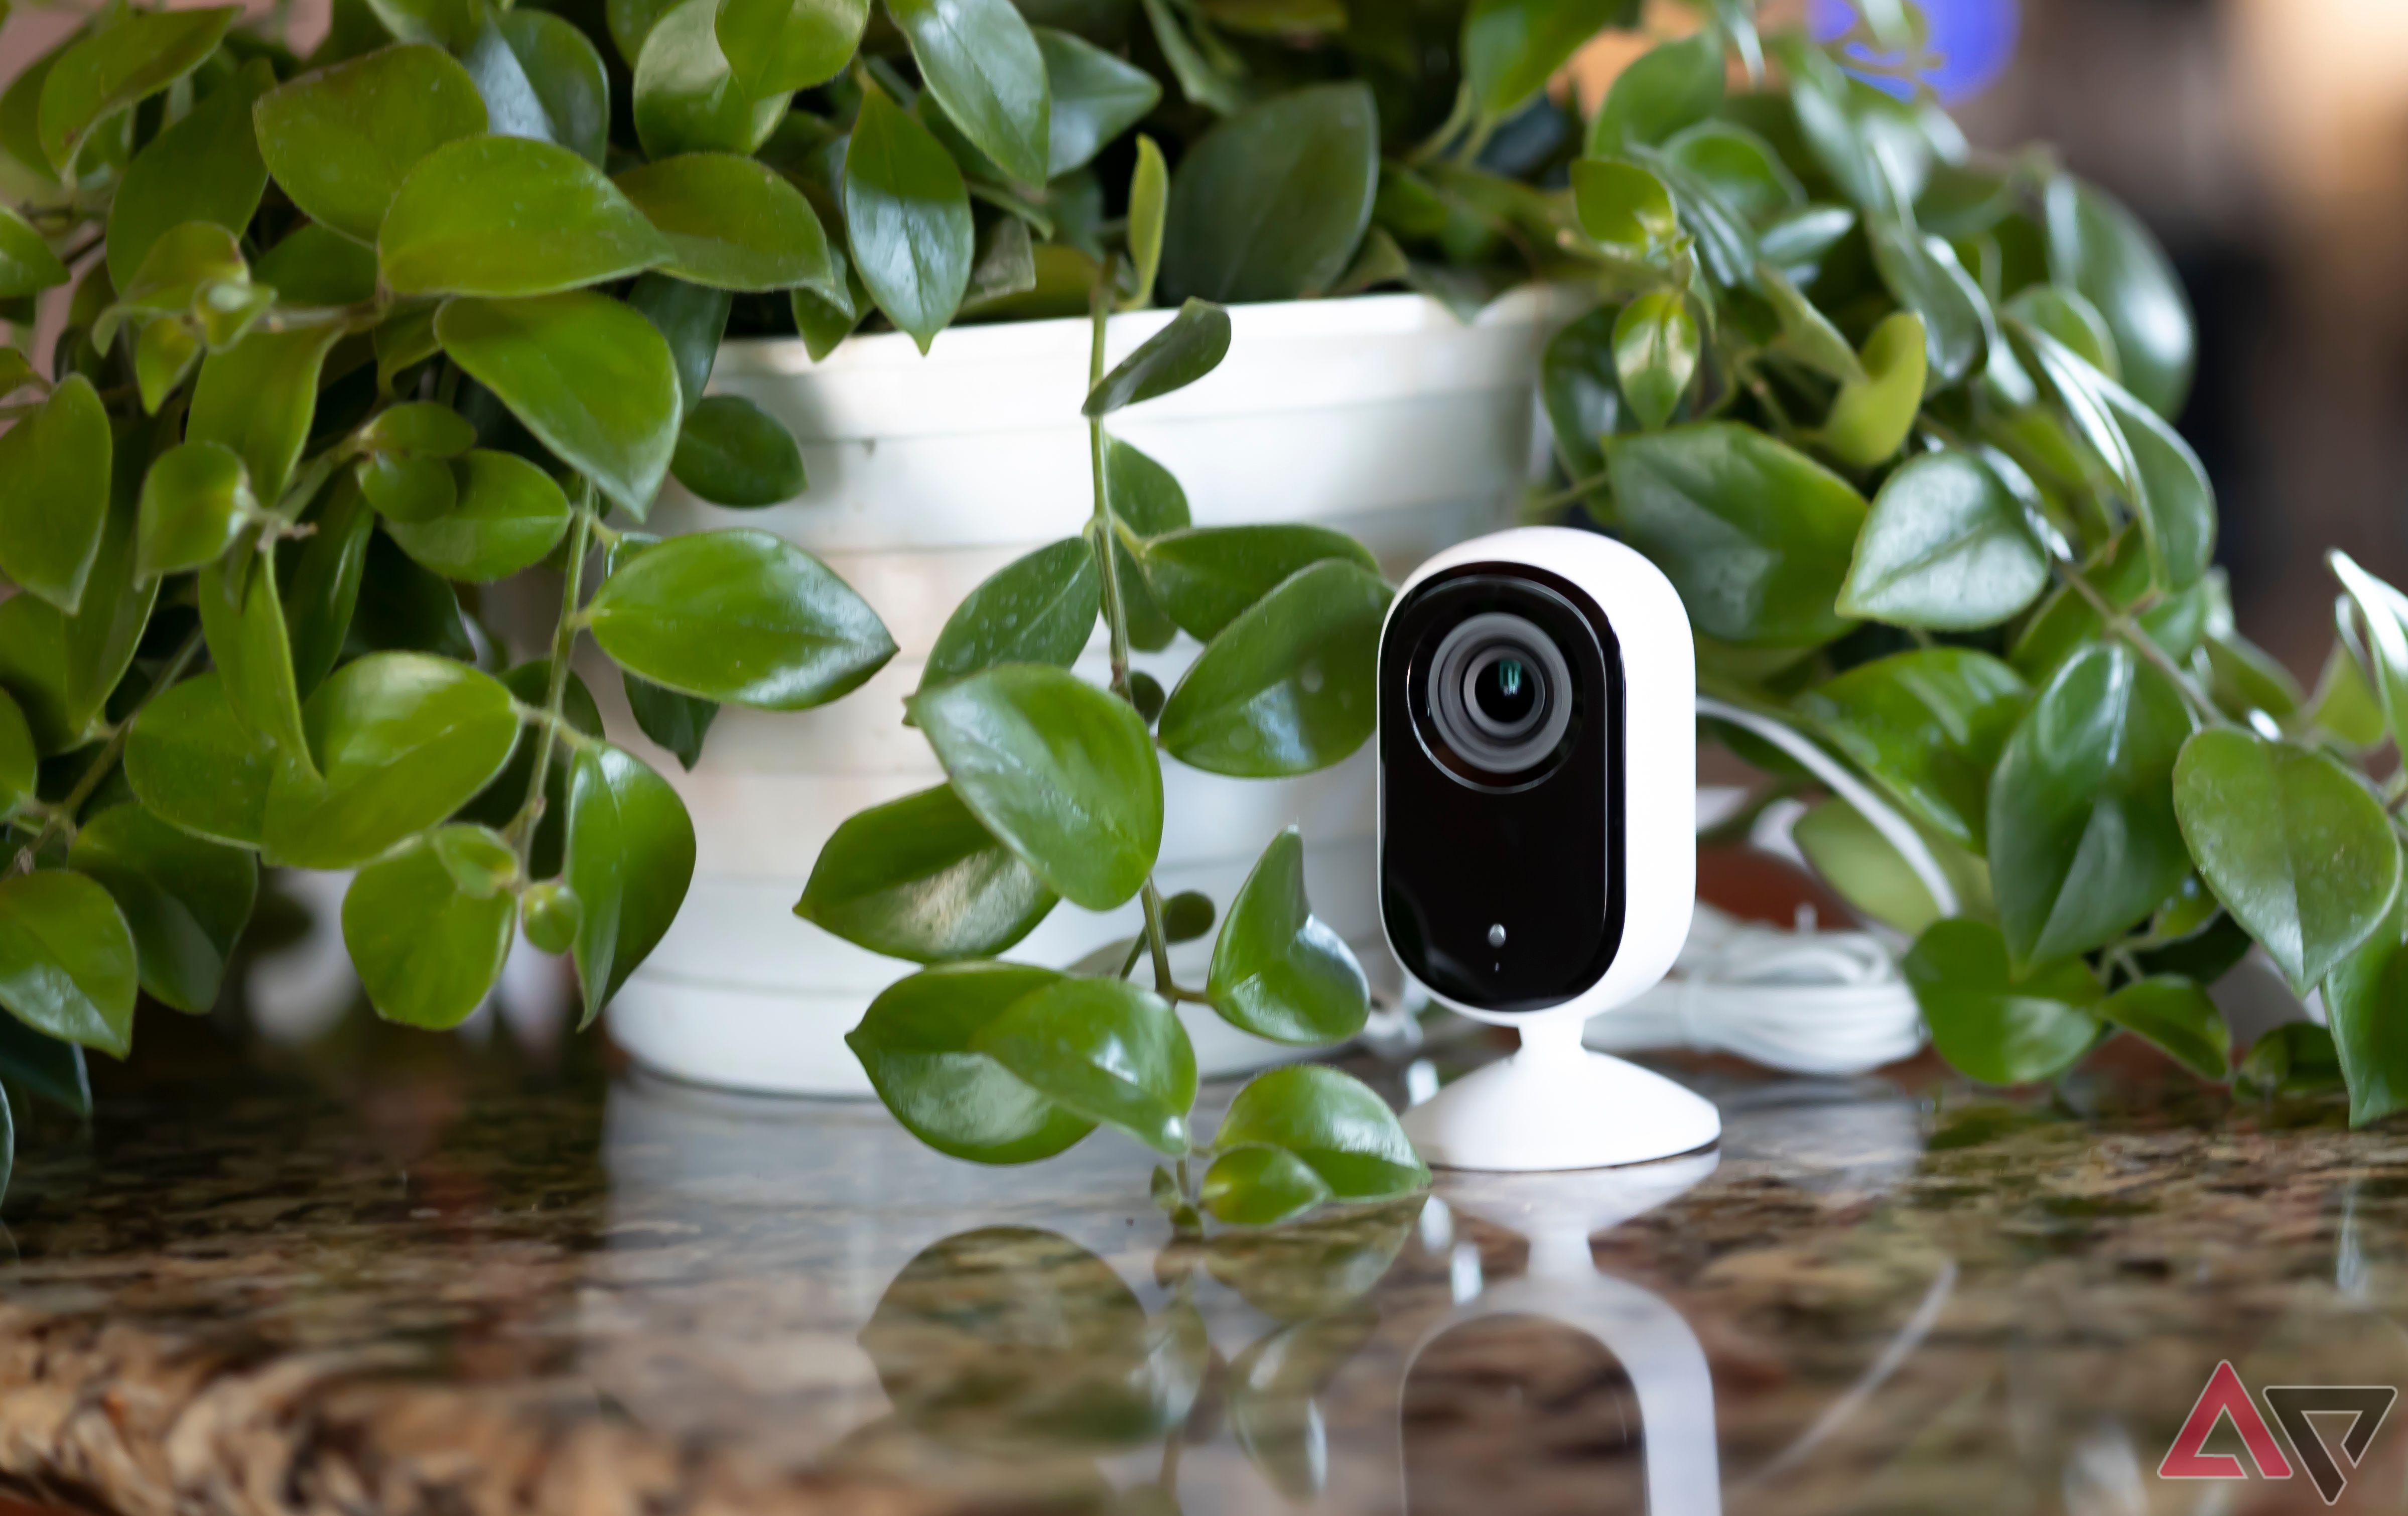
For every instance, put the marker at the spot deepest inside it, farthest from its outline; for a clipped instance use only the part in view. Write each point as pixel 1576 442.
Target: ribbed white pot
pixel 1382 416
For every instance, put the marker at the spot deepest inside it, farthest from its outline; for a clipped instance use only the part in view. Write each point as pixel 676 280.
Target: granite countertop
pixel 411 1283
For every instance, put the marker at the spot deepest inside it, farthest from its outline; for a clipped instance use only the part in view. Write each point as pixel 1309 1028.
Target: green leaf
pixel 27 264
pixel 1947 545
pixel 1271 203
pixel 1929 726
pixel 1655 354
pixel 194 501
pixel 185 900
pixel 920 878
pixel 317 265
pixel 1578 387
pixel 510 517
pixel 1738 167
pixel 693 319
pixel 451 25
pixel 1755 535
pixel 2295 846
pixel 407 489
pixel 1336 1123
pixel 1672 86
pixel 1103 1049
pixel 1871 416
pixel 418 428
pixel 564 71
pixel 630 859
pixel 916 1043
pixel 732 222
pixel 1286 688
pixel 193 764
pixel 732 453
pixel 2065 315
pixel 19 760
pixel 1623 206
pixel 401 741
pixel 2098 246
pixel 1062 772
pixel 909 217
pixel 1149 216
pixel 2363 993
pixel 1987 1022
pixel 134 55
pixel 33 671
pixel 1190 347
pixel 1096 97
pixel 67 960
pixel 340 140
pixel 1922 273
pixel 258 397
pixel 982 64
pixel 2386 614
pixel 1037 609
pixel 1278 970
pixel 499 803
pixel 324 589
pixel 1512 47
pixel 593 381
pixel 687 97
pixel 2177 1017
pixel 428 951
pixel 741 617
pixel 56 462
pixel 676 722
pixel 2065 622
pixel 43 1066
pixel 1261 1186
pixel 204 167
pixel 2177 505
pixel 781 46
pixel 1208 576
pixel 504 216
pixel 1187 915
pixel 242 614
pixel 1852 856
pixel 549 915
pixel 2083 837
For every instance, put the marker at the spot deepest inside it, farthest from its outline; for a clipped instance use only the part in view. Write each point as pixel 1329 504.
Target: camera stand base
pixel 1555 1104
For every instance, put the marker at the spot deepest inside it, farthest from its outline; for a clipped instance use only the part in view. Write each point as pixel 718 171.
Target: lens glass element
pixel 1500 695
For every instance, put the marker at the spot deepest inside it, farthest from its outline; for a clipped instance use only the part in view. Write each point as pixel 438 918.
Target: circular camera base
pixel 1557 1105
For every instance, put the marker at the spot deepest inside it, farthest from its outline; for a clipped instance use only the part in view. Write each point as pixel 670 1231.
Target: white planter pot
pixel 1383 416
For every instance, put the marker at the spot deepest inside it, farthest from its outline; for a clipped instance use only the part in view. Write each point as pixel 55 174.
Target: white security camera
pixel 1538 852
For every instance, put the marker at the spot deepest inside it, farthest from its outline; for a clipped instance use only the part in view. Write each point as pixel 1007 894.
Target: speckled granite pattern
pixel 625 1296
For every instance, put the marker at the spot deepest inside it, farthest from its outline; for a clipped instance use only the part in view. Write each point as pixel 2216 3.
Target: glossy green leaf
pixel 192 763
pixel 194 500
pixel 2098 246
pixel 134 56
pixel 693 319
pixel 315 264
pixel 2297 849
pixel 67 960
pixel 1342 1129
pixel 33 671
pixel 506 216
pixel 185 900
pixel 781 46
pixel 204 167
pixel 418 428
pixel 1871 416
pixel 340 140
pixel 1190 347
pixel 1512 47
pixel 2065 622
pixel 1278 970
pixel 324 588
pixel 687 97
pixel 920 878
pixel 400 741
pixel 19 760
pixel 56 462
pixel 2064 314
pixel 1852 856
pixel 1991 1024
pixel 1208 576
pixel 1103 1049
pixel 1096 98
pixel 1037 609
pixel 242 614
pixel 593 381
pixel 510 517
pixel 1655 354
pixel 164 355
pixel 1261 1186
pixel 916 1044
pixel 258 397
pixel 676 722
pixel 499 803
pixel 731 223
pixel 1808 336
pixel 1756 535
pixel 1062 772
pixel 1946 545
pixel 2083 837
pixel 563 72
pixel 1578 387
pixel 1149 216
pixel 2385 611
pixel 2362 996
pixel 451 25
pixel 1929 726
pixel 407 489
pixel 630 859
pixel 1286 688
pixel 2178 505
pixel 1671 86
pixel 908 213
pixel 1623 206
pixel 1739 168
pixel 982 64
pixel 428 951
pixel 27 264
pixel 732 453
pixel 1924 276
pixel 43 1066
pixel 2177 1017
pixel 1272 202
pixel 741 617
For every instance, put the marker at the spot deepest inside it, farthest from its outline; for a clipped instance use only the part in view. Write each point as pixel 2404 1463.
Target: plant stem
pixel 2124 628
pixel 1457 118
pixel 1157 938
pixel 564 644
pixel 61 818
pixel 1577 490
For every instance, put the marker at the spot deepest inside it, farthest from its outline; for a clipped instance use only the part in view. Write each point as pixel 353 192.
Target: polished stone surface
pixel 413 1276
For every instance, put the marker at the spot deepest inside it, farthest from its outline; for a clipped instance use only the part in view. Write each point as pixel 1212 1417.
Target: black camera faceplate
pixel 1539 854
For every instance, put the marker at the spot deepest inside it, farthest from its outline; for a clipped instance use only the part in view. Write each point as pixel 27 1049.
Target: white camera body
pixel 1537 700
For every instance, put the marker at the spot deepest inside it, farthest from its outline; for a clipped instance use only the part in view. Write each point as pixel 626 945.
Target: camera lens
pixel 1500 695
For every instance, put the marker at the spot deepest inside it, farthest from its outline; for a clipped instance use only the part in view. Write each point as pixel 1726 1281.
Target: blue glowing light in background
pixel 1975 40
